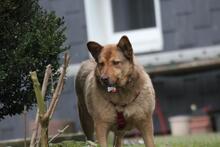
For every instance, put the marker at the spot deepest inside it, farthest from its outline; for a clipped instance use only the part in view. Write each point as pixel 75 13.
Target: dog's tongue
pixel 112 89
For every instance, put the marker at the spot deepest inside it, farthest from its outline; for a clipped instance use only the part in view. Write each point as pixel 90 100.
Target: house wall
pixel 190 23
pixel 185 24
pixel 176 94
pixel 74 16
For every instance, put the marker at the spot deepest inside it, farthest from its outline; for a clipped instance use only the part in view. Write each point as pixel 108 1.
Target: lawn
pixel 205 140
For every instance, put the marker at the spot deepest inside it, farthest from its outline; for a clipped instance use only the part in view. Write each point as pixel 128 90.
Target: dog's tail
pixel 86 120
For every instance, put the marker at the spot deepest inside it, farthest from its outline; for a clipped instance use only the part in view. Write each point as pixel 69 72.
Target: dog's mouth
pixel 109 85
pixel 112 89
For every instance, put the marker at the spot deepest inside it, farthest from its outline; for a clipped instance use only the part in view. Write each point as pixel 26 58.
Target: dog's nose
pixel 105 80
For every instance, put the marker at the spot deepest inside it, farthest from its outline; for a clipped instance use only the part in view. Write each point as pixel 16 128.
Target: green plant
pixel 30 39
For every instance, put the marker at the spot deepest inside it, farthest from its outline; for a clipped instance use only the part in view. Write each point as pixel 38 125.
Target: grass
pixel 69 144
pixel 205 140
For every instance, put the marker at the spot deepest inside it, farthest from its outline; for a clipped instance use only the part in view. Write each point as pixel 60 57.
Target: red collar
pixel 120 119
pixel 124 105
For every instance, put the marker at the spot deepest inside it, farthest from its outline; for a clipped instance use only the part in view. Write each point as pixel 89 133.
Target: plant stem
pixel 42 110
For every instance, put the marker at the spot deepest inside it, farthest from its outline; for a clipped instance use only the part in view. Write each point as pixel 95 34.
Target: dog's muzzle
pixel 110 86
pixel 105 80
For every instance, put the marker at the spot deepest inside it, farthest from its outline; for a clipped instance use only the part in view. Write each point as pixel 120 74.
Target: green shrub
pixel 30 38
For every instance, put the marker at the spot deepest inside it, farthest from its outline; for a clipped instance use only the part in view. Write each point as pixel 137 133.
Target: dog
pixel 114 94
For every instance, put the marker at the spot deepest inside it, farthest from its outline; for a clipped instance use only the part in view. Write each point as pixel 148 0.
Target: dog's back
pixel 86 120
pixel 85 69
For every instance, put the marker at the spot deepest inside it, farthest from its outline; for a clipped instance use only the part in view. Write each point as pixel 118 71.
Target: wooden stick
pixel 58 95
pixel 35 130
pixel 47 74
pixel 58 88
pixel 45 115
pixel 42 110
pixel 59 133
pixel 25 126
pixel 37 90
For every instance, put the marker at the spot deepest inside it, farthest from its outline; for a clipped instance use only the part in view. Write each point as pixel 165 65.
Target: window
pixel 108 20
pixel 128 14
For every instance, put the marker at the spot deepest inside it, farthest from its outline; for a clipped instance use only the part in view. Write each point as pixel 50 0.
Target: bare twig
pixel 58 88
pixel 40 99
pixel 58 95
pixel 25 126
pixel 59 132
pixel 47 74
pixel 35 130
pixel 45 115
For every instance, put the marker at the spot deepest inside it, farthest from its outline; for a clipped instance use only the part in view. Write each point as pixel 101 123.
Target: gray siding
pixel 190 23
pixel 177 93
pixel 185 24
pixel 74 16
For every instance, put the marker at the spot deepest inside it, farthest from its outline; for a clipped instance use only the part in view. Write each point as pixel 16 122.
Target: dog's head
pixel 114 62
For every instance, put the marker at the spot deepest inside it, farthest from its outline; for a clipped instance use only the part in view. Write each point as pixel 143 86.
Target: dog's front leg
pixel 101 133
pixel 147 131
pixel 118 140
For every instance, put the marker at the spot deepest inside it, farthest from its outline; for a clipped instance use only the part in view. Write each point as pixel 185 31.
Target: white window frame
pixel 100 27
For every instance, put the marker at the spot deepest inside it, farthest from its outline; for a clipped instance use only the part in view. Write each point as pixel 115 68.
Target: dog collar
pixel 120 119
pixel 124 105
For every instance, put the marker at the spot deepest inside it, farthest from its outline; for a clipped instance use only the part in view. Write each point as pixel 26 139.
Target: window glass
pixel 133 14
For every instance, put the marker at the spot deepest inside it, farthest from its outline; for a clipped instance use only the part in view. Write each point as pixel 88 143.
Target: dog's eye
pixel 116 62
pixel 101 64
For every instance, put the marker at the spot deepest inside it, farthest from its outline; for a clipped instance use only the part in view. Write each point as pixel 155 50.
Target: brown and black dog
pixel 114 94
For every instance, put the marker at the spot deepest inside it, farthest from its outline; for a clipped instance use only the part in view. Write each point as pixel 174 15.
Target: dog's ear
pixel 94 49
pixel 126 48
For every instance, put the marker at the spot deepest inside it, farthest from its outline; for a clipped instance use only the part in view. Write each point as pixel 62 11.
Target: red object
pixel 159 113
pixel 121 120
pixel 200 124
